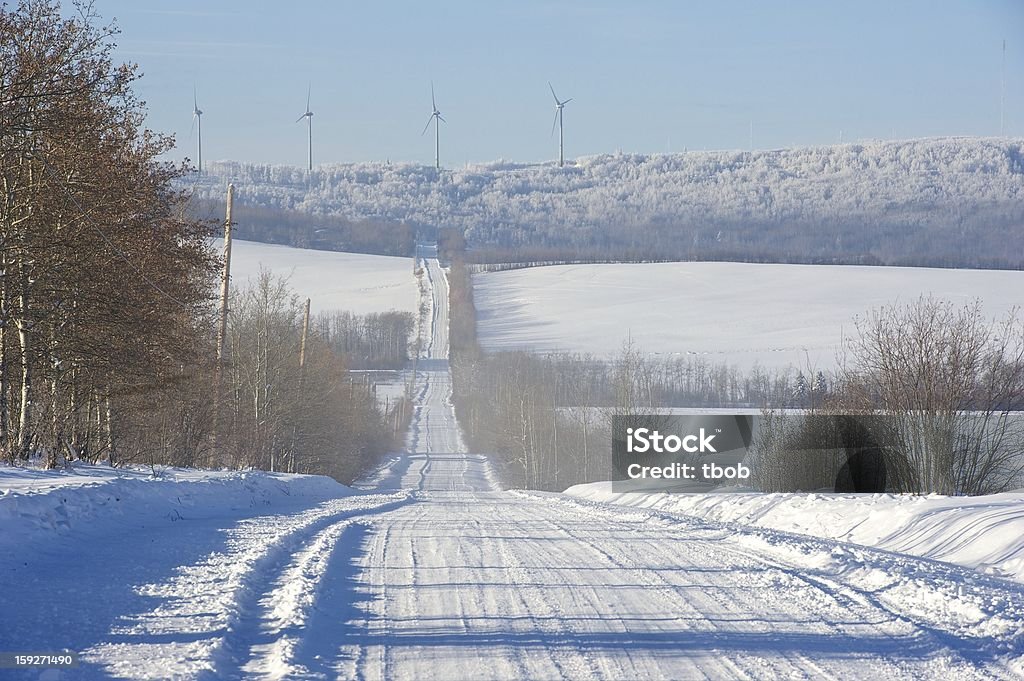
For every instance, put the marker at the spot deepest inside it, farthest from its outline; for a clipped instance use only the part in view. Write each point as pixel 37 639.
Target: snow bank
pixel 984 533
pixel 37 504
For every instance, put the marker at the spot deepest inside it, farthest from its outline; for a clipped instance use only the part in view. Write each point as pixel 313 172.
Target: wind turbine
pixel 309 124
pixel 436 119
pixel 197 120
pixel 559 104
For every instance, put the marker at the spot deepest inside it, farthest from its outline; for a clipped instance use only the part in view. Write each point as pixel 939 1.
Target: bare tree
pixel 950 380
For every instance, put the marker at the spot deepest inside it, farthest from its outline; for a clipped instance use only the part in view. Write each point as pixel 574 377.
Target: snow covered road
pixel 429 571
pixel 469 582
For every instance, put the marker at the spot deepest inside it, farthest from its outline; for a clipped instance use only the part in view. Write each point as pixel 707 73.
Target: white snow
pixel 739 313
pixel 985 533
pixel 38 504
pixel 429 571
pixel 356 282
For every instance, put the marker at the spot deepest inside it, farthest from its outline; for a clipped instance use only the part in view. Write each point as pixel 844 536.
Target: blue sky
pixel 644 76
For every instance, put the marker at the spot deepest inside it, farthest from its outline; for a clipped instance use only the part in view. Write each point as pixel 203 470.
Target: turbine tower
pixel 197 120
pixel 559 104
pixel 309 125
pixel 436 119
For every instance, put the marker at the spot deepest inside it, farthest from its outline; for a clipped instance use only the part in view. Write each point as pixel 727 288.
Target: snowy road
pixel 432 572
pixel 470 582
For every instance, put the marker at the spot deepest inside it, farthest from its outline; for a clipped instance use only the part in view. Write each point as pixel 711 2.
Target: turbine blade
pixel 554 123
pixel 433 103
pixel 442 118
pixel 553 92
pixel 566 101
pixel 427 126
pixel 309 90
pixel 195 98
pixel 193 128
pixel 300 118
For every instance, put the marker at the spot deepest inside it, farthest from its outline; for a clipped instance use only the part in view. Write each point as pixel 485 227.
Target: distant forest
pixel 303 230
pixel 947 202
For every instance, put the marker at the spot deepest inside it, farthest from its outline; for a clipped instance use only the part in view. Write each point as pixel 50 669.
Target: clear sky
pixel 645 76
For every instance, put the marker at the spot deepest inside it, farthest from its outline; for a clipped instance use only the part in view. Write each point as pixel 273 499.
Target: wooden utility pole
pixel 302 346
pixel 225 279
pixel 222 322
pixel 302 374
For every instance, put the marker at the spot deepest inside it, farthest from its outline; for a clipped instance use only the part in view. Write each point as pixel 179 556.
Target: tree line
pixel 107 282
pixel 291 227
pixel 379 340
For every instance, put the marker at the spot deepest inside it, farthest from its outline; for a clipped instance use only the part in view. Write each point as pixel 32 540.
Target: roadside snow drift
pixel 37 505
pixel 985 533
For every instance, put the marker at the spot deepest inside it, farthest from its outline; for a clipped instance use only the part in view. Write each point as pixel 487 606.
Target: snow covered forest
pixel 941 202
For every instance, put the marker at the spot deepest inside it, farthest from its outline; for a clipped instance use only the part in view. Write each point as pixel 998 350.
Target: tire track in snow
pixel 281 593
pixel 795 556
pixel 206 613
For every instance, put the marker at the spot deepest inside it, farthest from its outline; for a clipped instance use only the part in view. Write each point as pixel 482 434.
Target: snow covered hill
pixel 356 282
pixel 964 184
pixel 740 313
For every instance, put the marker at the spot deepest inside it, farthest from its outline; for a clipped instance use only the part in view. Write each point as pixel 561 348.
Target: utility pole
pixel 302 375
pixel 222 322
pixel 302 345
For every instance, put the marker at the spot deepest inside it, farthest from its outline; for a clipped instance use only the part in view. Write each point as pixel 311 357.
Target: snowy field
pixel 355 282
pixel 985 533
pixel 428 570
pixel 739 313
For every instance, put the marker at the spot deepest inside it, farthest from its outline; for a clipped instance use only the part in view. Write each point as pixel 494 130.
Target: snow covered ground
pixel 985 533
pixel 355 282
pixel 39 505
pixel 155 576
pixel 738 313
pixel 427 570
